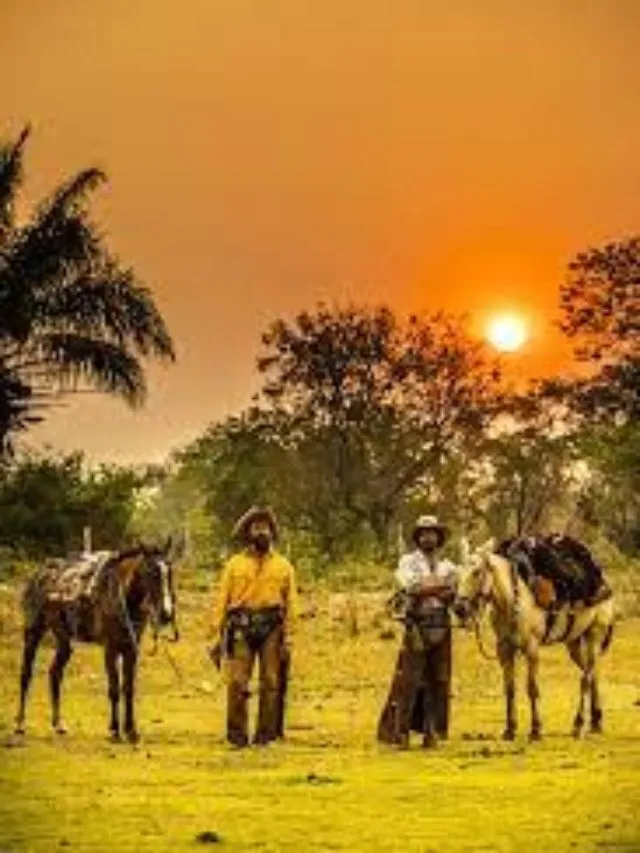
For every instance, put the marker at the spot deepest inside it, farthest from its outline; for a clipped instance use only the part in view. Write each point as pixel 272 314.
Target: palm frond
pixel 71 316
pixel 11 169
pixel 108 302
pixel 75 359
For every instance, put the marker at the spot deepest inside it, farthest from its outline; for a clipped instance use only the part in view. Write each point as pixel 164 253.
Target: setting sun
pixel 507 332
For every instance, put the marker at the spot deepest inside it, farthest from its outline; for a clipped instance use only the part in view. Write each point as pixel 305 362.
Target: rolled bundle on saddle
pixel 254 626
pixel 557 569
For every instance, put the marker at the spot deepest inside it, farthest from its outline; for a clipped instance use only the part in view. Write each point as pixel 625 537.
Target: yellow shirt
pixel 250 582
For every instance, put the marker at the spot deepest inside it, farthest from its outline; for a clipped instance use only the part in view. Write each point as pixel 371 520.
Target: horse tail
pixel 606 642
pixel 33 599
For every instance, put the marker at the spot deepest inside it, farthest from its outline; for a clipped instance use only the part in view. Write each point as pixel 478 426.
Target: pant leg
pixel 270 657
pixel 283 688
pixel 440 684
pixel 239 667
pixel 396 718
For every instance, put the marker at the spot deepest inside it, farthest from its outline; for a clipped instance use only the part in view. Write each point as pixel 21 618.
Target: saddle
pixel 74 581
pixel 549 597
pixel 559 570
pixel 544 592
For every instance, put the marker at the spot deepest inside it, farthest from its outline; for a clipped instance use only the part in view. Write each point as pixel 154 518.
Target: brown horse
pixel 521 627
pixel 104 598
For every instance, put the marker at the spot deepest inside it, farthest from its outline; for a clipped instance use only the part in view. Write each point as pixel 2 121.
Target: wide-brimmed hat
pixel 429 522
pixel 255 513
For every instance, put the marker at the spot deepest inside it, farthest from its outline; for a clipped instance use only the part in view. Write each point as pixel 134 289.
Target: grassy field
pixel 329 787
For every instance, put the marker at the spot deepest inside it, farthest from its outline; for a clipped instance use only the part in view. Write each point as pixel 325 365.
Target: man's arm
pixel 220 603
pixel 290 605
pixel 406 575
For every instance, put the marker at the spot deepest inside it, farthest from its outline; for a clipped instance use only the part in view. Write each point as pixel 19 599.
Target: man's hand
pixel 434 585
pixel 215 654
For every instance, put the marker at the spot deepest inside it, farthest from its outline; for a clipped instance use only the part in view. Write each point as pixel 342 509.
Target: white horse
pixel 521 627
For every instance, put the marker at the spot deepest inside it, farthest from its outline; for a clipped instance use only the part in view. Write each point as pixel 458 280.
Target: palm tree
pixel 71 316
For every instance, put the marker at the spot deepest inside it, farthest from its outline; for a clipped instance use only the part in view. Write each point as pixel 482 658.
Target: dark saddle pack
pixel 558 570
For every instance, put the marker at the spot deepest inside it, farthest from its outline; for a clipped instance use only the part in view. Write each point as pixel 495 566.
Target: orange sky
pixel 264 154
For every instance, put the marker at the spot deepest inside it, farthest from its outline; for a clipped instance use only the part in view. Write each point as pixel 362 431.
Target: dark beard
pixel 261 544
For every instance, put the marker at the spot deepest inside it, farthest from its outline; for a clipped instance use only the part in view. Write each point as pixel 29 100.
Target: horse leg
pixel 32 637
pixel 594 649
pixel 533 691
pixel 129 663
pixel 506 655
pixel 111 667
pixel 56 674
pixel 596 707
pixel 578 652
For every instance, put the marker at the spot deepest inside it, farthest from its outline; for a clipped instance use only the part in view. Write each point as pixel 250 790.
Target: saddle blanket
pixel 68 580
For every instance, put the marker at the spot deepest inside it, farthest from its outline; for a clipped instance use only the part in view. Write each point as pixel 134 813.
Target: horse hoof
pixel 429 742
pixel 596 729
pixel 535 736
pixel 133 736
pixel 114 737
pixel 60 729
pixel 509 734
pixel 20 729
pixel 577 733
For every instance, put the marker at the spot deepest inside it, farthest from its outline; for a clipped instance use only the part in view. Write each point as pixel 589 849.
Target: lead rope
pixel 127 618
pixel 478 634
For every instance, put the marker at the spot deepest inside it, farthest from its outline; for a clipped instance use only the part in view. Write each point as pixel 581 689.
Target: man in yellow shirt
pixel 253 617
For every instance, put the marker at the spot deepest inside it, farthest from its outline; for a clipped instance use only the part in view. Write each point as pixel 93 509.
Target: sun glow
pixel 507 332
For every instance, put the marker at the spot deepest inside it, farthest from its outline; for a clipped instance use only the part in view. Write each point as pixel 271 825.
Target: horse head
pixel 475 582
pixel 151 567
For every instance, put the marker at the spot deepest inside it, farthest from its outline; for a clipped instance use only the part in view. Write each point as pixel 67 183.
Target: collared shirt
pixel 253 582
pixel 415 567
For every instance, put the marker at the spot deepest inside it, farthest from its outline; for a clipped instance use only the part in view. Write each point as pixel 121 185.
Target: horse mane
pixel 109 571
pixel 502 564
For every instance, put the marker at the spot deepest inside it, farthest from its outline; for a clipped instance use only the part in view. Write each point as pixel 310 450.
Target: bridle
pixel 151 563
pixel 474 606
pixel 154 563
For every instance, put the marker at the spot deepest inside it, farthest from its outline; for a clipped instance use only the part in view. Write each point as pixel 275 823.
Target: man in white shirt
pixel 419 695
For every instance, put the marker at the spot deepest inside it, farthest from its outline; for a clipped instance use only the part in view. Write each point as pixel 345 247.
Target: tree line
pixel 363 418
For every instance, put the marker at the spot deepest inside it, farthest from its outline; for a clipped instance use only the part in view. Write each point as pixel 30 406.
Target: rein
pixel 483 599
pixel 477 629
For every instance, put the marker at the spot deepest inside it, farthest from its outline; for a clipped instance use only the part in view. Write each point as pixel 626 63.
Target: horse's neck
pixel 128 569
pixel 129 583
pixel 514 604
pixel 508 586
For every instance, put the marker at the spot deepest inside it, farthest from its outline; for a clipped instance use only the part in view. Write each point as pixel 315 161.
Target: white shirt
pixel 414 567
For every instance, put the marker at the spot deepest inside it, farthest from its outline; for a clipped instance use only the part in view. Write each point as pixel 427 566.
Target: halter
pixel 477 602
pixel 482 596
pixel 123 585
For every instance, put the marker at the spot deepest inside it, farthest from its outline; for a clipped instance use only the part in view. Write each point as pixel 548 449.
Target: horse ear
pixel 488 547
pixel 175 548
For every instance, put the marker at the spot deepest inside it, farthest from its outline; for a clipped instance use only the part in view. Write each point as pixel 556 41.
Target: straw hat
pixel 255 513
pixel 430 522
